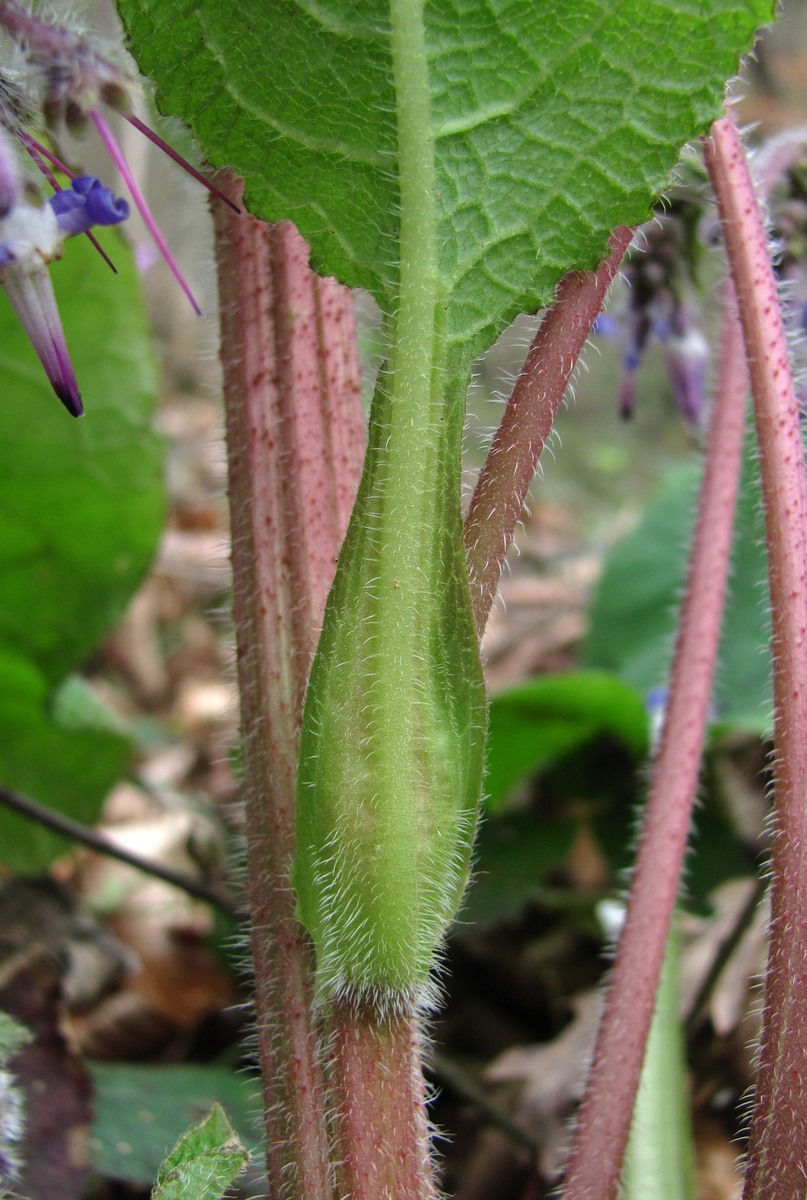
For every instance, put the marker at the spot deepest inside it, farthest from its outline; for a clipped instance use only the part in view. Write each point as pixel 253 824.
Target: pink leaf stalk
pixel 501 490
pixel 605 1117
pixel 777 1155
pixel 295 440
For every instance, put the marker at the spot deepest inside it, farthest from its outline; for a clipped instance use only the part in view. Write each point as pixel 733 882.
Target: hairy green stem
pixel 393 734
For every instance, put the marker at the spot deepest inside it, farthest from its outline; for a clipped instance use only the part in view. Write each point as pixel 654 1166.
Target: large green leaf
pixel 551 123
pixel 81 502
pixel 81 511
pixel 635 609
pixel 537 722
pixel 141 1111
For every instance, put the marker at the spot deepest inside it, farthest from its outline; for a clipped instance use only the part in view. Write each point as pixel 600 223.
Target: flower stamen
pixel 115 153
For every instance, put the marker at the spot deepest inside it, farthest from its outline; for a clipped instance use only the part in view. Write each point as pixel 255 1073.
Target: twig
pixel 102 844
pixel 724 952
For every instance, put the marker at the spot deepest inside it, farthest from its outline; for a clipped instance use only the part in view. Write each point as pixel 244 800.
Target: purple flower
pixel 62 80
pixel 31 294
pixel 86 203
pixel 657 306
pixel 74 81
pixel 687 366
pixel 30 238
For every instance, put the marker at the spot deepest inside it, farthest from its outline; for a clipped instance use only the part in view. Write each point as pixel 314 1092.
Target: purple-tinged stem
pixel 116 154
pixel 39 154
pixel 501 490
pixel 295 442
pixel 605 1117
pixel 777 1153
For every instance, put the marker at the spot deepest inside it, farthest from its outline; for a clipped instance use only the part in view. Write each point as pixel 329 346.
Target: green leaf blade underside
pixel 552 124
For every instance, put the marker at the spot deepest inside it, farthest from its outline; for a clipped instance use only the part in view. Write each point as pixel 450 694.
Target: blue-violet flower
pixel 31 237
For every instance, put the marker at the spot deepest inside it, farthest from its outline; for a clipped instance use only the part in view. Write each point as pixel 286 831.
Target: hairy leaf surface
pixel 552 124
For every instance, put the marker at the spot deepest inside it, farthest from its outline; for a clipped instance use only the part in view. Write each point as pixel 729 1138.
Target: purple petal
pixel 32 298
pixel 86 203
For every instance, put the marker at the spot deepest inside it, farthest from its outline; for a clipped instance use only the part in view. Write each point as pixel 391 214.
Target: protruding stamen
pixel 186 166
pixel 116 155
pixel 39 153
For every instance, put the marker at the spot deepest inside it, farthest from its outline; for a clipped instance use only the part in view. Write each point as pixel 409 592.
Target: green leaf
pixel 76 706
pixel 204 1161
pixel 141 1111
pixel 13 1037
pixel 81 502
pixel 513 853
pixel 81 512
pixel 634 614
pixel 660 1158
pixel 551 125
pixel 67 770
pixel 537 722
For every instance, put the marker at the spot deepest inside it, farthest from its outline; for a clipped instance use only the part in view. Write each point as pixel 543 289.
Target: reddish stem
pixel 294 443
pixel 382 1126
pixel 501 490
pixel 606 1113
pixel 777 1155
